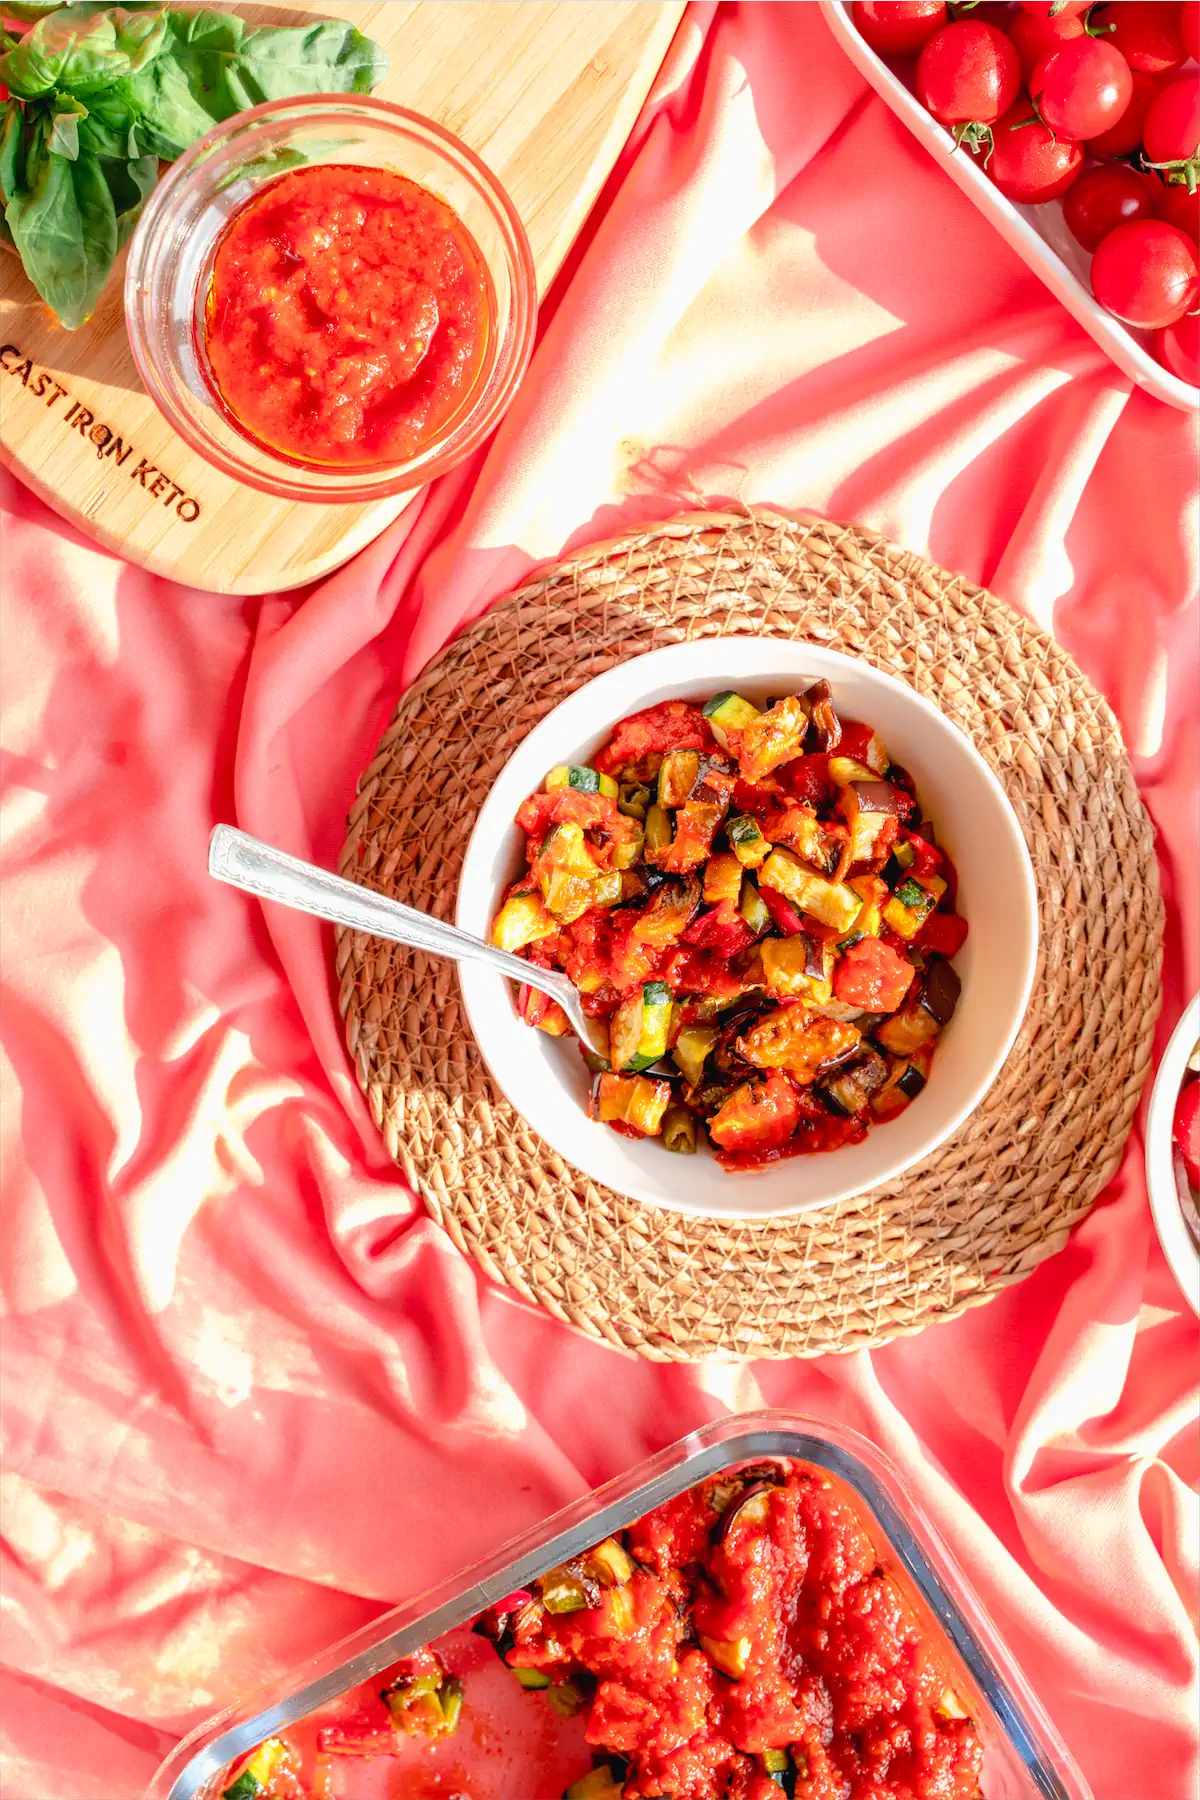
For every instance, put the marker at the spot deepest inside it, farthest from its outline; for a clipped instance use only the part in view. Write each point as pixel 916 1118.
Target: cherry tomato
pixel 1035 36
pixel 1146 273
pixel 1054 9
pixel 1171 134
pixel 1189 28
pixel 1081 88
pixel 1178 348
pixel 1103 198
pixel 1123 138
pixel 968 75
pixel 757 1117
pixel 1187 1129
pixel 872 975
pixel 1027 162
pixel 1174 204
pixel 898 30
pixel 1146 32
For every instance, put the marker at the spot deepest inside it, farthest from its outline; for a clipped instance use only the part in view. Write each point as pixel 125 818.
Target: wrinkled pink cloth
pixel 252 1392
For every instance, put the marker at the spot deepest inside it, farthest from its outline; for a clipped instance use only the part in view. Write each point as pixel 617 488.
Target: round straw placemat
pixel 979 1214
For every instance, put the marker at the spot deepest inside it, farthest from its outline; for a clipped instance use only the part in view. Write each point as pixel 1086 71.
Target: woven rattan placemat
pixel 979 1214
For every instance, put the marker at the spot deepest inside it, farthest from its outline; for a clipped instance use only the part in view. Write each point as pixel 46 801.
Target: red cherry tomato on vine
pixel 1189 28
pixel 1146 32
pixel 1123 138
pixel 1171 133
pixel 1146 273
pixel 895 29
pixel 968 74
pixel 1035 36
pixel 1027 162
pixel 1104 198
pixel 1054 9
pixel 1178 348
pixel 1081 88
pixel 1174 204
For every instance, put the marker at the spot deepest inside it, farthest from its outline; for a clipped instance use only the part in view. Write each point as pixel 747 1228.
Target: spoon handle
pixel 246 862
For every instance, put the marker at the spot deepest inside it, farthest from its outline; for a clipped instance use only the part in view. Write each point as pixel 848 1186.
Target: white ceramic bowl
pixel 545 1078
pixel 1178 1245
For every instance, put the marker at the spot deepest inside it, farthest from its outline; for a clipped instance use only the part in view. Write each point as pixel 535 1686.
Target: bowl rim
pixel 378 481
pixel 662 667
pixel 1182 1255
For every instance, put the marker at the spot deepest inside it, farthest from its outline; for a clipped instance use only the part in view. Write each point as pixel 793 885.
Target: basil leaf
pixel 64 225
pixel 130 182
pixel 83 48
pixel 330 57
pixel 65 117
pixel 12 150
pixel 27 11
pixel 185 92
pixel 109 129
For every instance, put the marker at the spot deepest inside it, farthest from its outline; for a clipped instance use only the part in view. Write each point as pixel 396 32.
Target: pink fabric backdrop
pixel 241 1367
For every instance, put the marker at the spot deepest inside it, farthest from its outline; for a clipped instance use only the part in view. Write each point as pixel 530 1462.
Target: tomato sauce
pixel 348 317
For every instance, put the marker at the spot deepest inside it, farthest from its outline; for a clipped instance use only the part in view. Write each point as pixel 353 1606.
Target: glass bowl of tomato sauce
pixel 331 298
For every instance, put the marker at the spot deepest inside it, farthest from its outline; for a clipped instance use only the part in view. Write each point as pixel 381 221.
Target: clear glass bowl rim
pixel 293 481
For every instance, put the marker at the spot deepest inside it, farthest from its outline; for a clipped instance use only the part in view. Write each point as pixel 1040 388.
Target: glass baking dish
pixel 1024 1758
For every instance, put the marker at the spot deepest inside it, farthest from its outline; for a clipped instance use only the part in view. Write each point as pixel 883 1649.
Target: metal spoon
pixel 246 862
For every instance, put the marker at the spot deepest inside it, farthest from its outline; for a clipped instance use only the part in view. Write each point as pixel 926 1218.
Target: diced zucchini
pixel 520 921
pixel 747 841
pixel 633 798
pixel 532 1679
pixel 950 1706
pixel 722 879
pixel 679 1130
pixel 904 853
pixel 568 897
pixel 843 770
pixel 607 889
pixel 729 712
pixel 798 968
pixel 619 1604
pixel 774 1761
pixel 658 831
pixel 677 776
pixel 610 1563
pixel 832 902
pixel 912 903
pixel 566 1698
pixel 634 1101
pixel 597 1784
pixel 753 908
pixel 691 1050
pixel 563 1592
pixel 582 779
pixel 565 847
pixel 255 1773
pixel 876 756
pixel 640 1027
pixel 866 827
pixel 425 1704
pixel 626 854
pixel 730 1655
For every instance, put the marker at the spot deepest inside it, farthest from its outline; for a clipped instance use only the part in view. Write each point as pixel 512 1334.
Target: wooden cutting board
pixel 545 90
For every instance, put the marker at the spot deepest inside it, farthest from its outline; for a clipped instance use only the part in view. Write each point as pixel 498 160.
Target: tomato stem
pixel 977 137
pixel 1184 171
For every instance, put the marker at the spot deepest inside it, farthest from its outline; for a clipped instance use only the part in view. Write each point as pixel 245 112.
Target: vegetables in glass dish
pixel 754 903
pixel 740 1641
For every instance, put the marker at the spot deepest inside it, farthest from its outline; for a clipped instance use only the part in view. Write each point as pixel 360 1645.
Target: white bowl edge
pixel 1181 1253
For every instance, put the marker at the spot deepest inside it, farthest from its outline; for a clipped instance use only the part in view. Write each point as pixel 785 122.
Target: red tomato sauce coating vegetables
pixel 348 316
pixel 752 901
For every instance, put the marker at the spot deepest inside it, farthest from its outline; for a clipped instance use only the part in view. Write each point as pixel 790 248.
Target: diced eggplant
pixel 823 721
pixel 908 1030
pixel 843 770
pixel 941 990
pixel 753 908
pixel 950 1707
pixel 669 913
pixel 817 846
pixel 628 850
pixel 747 841
pixel 798 968
pixel 567 1698
pixel 773 738
pixel 722 879
pixel 582 779
pixel 691 1050
pixel 851 1086
pixel 569 1589
pixel 749 1508
pixel 677 777
pixel 568 897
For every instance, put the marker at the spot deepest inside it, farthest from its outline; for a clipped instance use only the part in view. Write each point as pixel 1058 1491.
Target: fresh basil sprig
pixel 97 94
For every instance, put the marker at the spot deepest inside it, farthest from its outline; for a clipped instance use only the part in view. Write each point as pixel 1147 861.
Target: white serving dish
pixel 545 1078
pixel 1173 1234
pixel 1037 233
